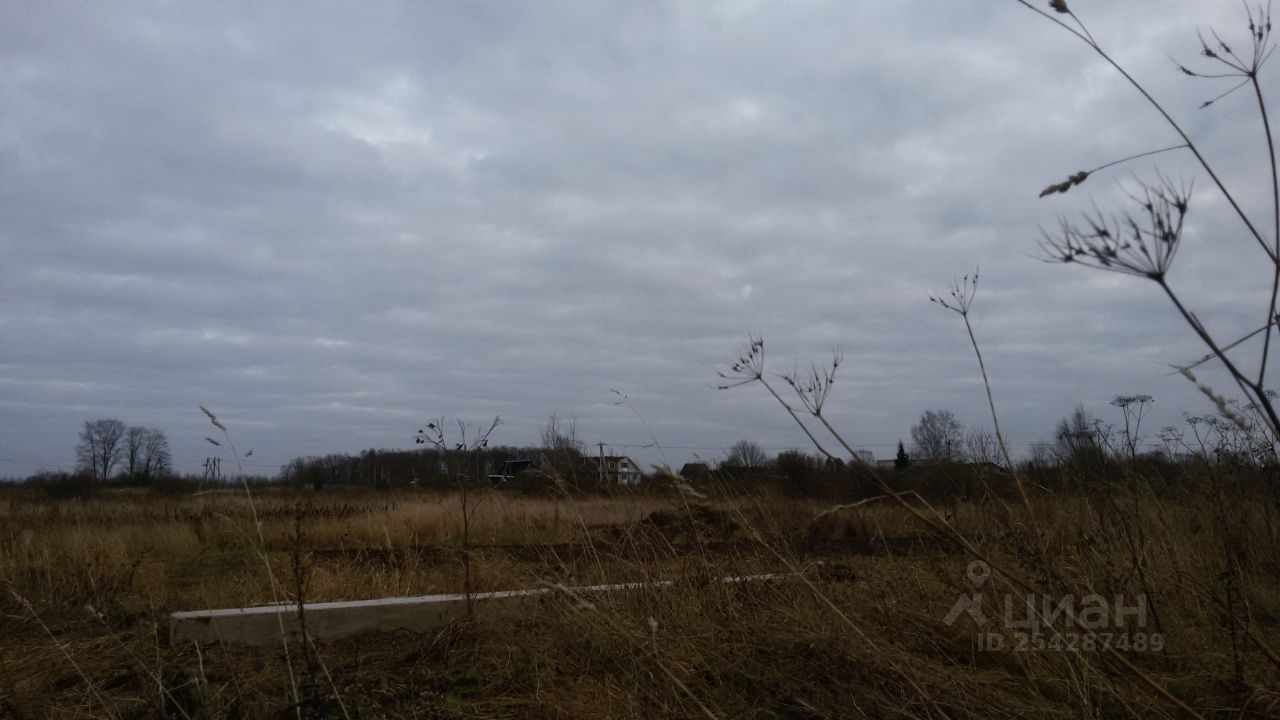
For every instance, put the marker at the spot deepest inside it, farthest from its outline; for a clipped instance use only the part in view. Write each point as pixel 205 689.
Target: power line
pixel 893 444
pixel 62 466
pixel 243 464
pixel 28 462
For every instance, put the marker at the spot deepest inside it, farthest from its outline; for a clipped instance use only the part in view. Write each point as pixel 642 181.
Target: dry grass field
pixel 1133 585
pixel 859 630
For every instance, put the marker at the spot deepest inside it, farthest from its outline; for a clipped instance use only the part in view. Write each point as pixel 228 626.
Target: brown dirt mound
pixel 701 521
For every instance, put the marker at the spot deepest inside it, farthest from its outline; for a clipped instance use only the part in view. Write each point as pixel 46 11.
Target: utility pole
pixel 601 446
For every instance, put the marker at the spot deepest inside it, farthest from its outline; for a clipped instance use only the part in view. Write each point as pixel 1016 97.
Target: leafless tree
pixel 156 459
pixel 938 435
pixel 462 458
pixel 980 446
pixel 1042 456
pixel 746 454
pixel 1079 437
pixel 146 453
pixel 560 434
pixel 134 438
pixel 101 447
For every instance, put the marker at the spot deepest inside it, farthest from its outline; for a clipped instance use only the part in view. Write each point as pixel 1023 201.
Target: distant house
pixel 511 468
pixel 616 469
pixel 695 471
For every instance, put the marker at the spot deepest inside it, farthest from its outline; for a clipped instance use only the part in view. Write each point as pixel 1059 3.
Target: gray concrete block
pixel 262 625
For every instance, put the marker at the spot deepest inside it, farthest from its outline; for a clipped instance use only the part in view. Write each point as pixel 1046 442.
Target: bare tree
pixel 1042 456
pixel 1079 438
pixel 938 435
pixel 559 434
pixel 134 439
pixel 101 447
pixel 465 467
pixel 747 454
pixel 145 454
pixel 156 458
pixel 980 446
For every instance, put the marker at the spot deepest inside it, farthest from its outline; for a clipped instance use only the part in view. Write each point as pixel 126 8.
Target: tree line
pixel 1238 436
pixel 111 450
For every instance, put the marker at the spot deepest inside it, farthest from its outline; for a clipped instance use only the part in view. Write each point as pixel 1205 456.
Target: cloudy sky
pixel 329 222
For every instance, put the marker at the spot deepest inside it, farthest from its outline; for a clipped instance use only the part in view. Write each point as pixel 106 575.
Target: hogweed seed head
pixel 1141 243
pixel 749 366
pixel 961 295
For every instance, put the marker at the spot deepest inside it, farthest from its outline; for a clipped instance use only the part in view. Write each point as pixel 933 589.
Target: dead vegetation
pixel 860 632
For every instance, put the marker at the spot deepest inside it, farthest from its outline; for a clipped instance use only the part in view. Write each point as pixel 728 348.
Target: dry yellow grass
pixel 860 633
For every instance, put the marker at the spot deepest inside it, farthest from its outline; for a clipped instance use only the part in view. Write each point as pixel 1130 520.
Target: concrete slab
pixel 261 625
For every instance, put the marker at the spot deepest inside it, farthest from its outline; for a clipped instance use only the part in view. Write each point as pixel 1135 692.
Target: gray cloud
pixel 330 224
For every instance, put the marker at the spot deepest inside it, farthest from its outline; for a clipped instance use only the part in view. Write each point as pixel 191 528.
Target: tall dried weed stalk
pixel 1142 241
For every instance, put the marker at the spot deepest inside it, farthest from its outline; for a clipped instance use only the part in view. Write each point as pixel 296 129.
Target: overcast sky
pixel 329 222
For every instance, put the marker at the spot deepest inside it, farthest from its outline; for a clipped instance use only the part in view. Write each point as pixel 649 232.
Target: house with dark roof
pixel 695 471
pixel 511 468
